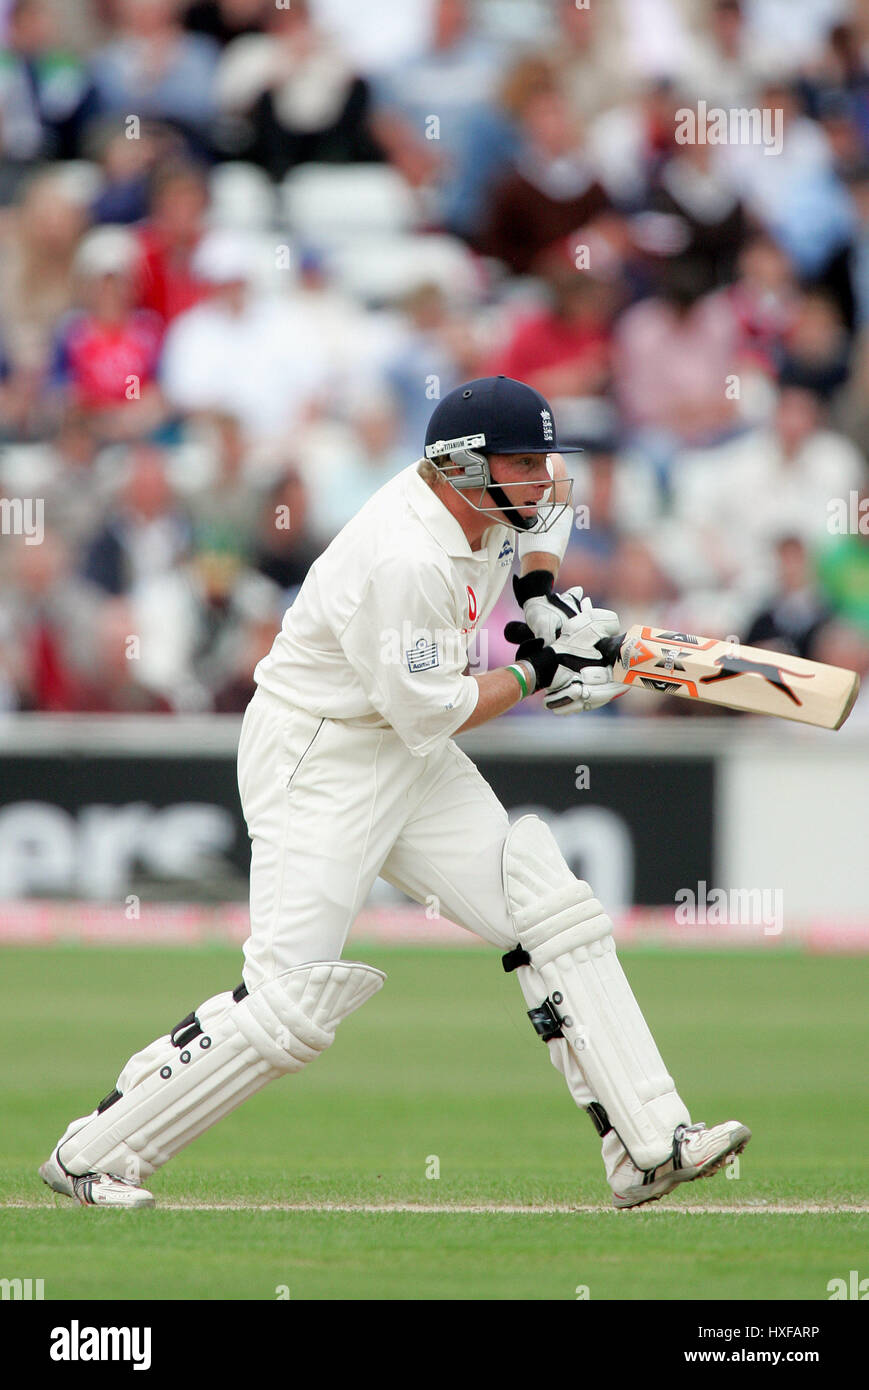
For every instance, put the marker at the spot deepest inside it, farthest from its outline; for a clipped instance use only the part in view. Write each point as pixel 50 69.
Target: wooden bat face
pixel 746 678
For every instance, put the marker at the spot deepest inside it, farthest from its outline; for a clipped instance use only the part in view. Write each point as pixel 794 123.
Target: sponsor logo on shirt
pixel 505 554
pixel 472 605
pixel 422 656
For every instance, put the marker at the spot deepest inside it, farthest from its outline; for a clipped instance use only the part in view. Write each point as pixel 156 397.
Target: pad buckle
pixel 185 1031
pixel 513 959
pixel 546 1020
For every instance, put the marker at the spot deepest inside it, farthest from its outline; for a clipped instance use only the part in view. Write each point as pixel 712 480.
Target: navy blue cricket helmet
pixel 491 415
pixel 513 417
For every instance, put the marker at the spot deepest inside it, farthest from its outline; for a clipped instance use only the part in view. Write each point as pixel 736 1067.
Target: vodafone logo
pixel 472 605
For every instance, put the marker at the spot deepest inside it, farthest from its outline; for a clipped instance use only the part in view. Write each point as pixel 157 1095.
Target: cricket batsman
pixel 348 770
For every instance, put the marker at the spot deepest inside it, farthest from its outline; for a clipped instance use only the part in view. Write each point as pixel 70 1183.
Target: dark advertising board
pixel 99 826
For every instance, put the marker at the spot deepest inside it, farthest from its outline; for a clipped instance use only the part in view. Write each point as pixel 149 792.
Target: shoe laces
pixel 101 1177
pixel 681 1130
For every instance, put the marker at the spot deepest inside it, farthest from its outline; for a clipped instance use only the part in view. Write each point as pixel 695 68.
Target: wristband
pixel 535 584
pixel 520 676
pixel 544 662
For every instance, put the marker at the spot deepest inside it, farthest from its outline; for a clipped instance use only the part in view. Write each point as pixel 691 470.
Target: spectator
pixel 287 546
pixel 111 684
pixel 721 66
pixel 256 613
pixel 345 463
pixel 253 642
pixel 336 326
pixel 764 298
pixel 435 350
pixel 638 584
pixel 44 612
pixel 74 490
pixel 843 566
pixel 846 644
pixel 673 355
pixel 379 35
pixel 816 348
pixel 192 619
pixel 127 167
pixel 106 354
pixel 837 119
pixel 152 66
pixel 552 189
pixel 858 181
pixel 628 143
pixel 566 349
pixel 225 20
pixel 795 194
pixel 455 78
pixel 224 512
pixel 734 502
pixel 39 243
pixel 796 611
pixel 45 96
pixel 840 70
pixel 168 241
pixel 145 534
pixel 595 541
pixel 242 350
pixel 590 59
pixel 692 188
pixel 493 139
pixel 784 35
pixel 298 93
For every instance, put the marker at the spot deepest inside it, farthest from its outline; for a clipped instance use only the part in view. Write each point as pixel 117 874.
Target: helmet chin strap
pixel 515 518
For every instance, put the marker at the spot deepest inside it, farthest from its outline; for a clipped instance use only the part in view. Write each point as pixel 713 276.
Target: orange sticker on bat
pixel 640 653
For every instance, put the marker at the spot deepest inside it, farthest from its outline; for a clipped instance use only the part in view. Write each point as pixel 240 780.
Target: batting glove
pixel 571 667
pixel 544 611
pixel 590 689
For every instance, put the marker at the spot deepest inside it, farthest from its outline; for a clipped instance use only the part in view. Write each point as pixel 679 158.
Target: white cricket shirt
pixel 380 630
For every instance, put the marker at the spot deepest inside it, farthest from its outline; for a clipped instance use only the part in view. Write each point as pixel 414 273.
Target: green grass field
pixel 444 1064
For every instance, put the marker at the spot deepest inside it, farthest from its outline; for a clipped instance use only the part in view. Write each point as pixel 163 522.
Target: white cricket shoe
pixel 94 1189
pixel 105 1190
pixel 697 1153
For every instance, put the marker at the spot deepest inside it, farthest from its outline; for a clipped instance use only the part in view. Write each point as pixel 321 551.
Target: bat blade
pixel 745 678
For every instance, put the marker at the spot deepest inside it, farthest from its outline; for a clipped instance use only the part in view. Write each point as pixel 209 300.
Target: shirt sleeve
pixel 409 654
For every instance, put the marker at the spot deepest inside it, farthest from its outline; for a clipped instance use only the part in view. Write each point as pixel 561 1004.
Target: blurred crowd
pixel 246 245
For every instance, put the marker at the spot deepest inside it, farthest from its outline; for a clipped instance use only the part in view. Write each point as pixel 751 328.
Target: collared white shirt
pixel 381 629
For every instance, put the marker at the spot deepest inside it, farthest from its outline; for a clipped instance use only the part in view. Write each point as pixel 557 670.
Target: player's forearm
pixel 540 560
pixel 499 691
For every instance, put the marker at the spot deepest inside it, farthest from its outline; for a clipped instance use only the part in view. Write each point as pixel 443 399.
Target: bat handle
pixel 610 648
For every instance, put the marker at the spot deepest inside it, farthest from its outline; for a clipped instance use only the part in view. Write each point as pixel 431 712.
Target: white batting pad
pixel 574 965
pixel 172 1091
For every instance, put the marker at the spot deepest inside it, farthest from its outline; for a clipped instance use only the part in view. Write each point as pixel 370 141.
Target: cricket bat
pixel 721 673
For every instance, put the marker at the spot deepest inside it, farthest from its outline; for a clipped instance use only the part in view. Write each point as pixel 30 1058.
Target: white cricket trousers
pixel 330 806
